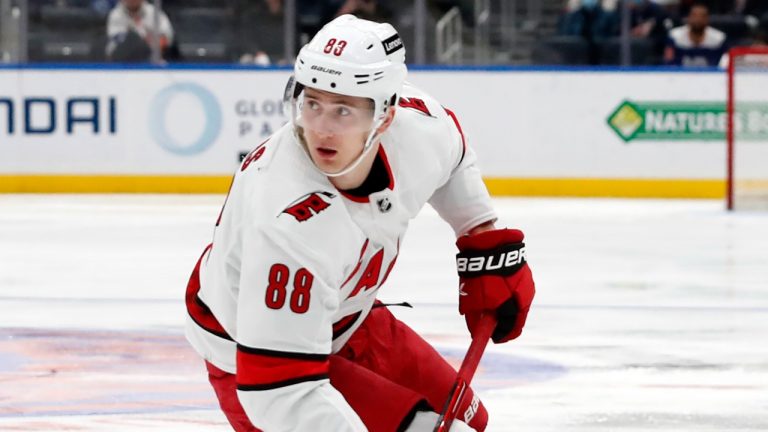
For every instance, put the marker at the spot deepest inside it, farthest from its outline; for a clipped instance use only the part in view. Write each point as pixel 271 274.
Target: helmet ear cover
pixel 292 90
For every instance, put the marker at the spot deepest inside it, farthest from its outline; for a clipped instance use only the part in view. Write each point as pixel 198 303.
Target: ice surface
pixel 650 314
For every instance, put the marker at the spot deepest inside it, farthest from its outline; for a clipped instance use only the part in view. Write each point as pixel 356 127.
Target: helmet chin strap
pixel 366 149
pixel 369 142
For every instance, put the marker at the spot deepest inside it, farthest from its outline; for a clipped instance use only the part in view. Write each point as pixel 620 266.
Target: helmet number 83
pixel 335 46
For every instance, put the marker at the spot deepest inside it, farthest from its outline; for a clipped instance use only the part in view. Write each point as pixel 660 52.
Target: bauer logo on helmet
pixel 326 70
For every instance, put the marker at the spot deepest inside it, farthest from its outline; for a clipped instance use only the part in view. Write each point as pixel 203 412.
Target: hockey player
pixel 282 305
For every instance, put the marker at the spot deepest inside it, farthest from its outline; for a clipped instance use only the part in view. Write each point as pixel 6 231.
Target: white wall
pixel 541 124
pixel 166 122
pixel 553 124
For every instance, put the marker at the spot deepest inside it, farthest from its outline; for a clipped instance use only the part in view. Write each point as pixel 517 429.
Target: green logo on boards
pixel 687 121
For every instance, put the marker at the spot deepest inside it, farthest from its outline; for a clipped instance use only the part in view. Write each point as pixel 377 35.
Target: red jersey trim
pixel 259 369
pixel 262 387
pixel 384 159
pixel 341 326
pixel 359 263
pixel 392 264
pixel 199 311
pixel 391 186
pixel 461 132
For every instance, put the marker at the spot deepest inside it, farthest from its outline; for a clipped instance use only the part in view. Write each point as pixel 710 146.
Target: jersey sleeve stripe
pixel 262 387
pixel 264 369
pixel 202 316
pixel 281 354
pixel 199 311
pixel 461 132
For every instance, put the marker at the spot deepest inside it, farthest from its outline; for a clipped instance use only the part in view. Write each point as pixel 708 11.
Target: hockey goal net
pixel 747 128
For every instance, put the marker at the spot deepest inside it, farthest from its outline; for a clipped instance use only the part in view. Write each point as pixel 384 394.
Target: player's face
pixel 335 127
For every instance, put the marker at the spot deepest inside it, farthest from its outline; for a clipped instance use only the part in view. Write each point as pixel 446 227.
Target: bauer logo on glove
pixel 506 260
pixel 494 278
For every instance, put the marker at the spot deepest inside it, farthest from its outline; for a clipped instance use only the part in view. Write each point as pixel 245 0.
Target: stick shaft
pixel 466 372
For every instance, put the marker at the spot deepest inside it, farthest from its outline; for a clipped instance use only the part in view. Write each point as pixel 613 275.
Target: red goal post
pixel 747 128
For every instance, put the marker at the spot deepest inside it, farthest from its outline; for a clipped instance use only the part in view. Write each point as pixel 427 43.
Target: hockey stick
pixel 466 372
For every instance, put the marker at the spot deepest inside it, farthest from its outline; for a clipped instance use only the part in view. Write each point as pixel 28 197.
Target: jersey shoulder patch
pixel 425 121
pixel 261 156
pixel 309 205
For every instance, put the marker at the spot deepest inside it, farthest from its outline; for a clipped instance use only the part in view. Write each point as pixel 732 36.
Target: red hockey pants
pixel 385 372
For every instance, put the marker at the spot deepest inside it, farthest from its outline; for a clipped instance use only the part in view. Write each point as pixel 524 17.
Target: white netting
pixel 749 147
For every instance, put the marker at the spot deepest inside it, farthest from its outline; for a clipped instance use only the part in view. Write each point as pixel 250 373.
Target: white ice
pixel 650 314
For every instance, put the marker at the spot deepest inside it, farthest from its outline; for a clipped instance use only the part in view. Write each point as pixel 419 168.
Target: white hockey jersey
pixel 295 264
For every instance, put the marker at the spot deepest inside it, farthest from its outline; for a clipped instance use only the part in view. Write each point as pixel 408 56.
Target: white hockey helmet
pixel 355 57
pixel 352 57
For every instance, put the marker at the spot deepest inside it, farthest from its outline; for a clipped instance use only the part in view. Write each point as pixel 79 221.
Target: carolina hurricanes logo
pixel 415 104
pixel 309 205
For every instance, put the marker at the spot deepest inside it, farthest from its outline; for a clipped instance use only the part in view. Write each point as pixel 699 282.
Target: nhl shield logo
pixel 384 205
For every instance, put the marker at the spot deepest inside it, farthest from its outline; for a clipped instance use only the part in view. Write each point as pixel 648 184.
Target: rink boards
pixel 537 132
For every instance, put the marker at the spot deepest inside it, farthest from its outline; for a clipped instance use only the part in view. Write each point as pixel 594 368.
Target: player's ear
pixel 387 120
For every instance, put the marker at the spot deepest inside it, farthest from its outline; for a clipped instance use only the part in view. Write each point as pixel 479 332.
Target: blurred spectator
pixel 717 7
pixel 756 8
pixel 103 7
pixel 259 31
pixel 259 58
pixel 745 7
pixel 695 44
pixel 130 29
pixel 647 20
pixel 586 18
pixel 367 9
pixel 671 7
pixel 275 7
pixel 312 15
pixel 589 20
